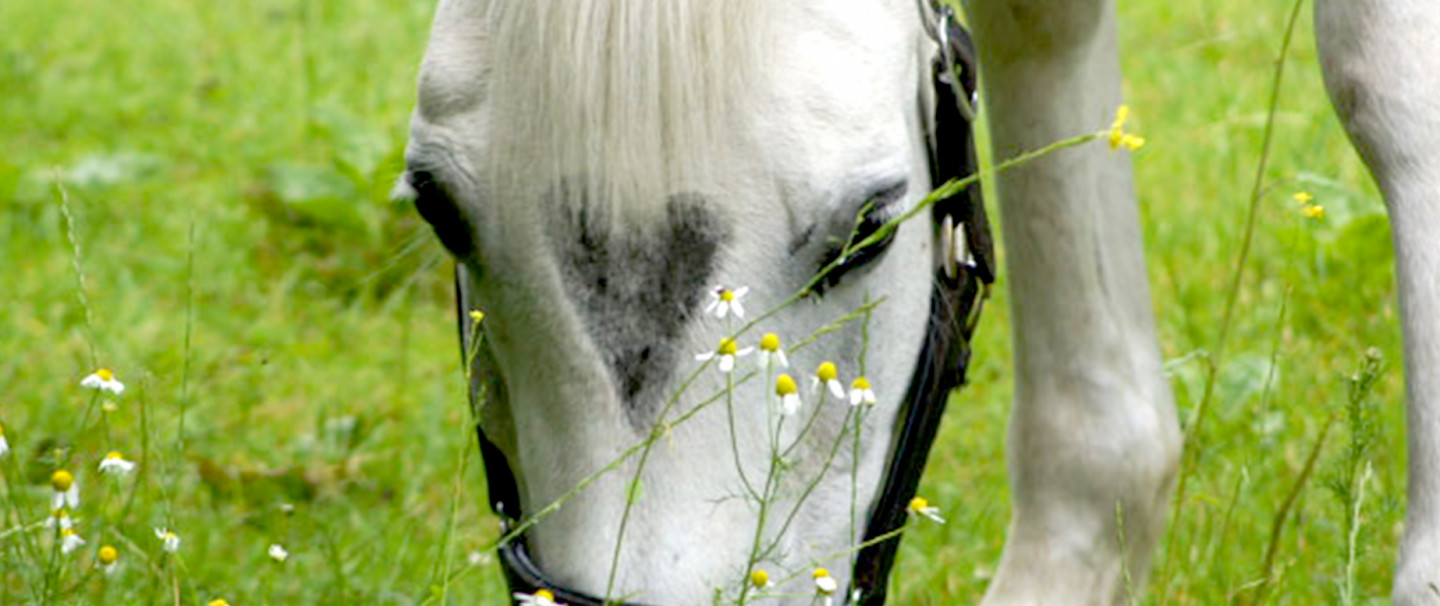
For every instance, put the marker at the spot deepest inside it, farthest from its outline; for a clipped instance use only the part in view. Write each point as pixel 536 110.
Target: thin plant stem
pixel 1217 353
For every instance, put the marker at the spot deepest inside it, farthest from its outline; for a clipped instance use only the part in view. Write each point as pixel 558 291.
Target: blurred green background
pixel 239 155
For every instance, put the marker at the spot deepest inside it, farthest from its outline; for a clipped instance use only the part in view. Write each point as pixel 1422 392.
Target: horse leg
pixel 1383 75
pixel 1093 434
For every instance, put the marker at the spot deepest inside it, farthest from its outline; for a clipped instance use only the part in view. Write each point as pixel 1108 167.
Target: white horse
pixel 597 166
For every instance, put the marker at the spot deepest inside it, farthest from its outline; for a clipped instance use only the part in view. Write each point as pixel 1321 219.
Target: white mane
pixel 633 92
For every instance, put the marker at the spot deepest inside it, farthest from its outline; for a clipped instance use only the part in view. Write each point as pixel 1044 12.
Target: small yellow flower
pixel 770 350
pixel 541 597
pixel 69 540
pixel 1118 136
pixel 1314 211
pixel 920 506
pixel 723 301
pixel 104 380
pixel 67 491
pixel 824 583
pixel 108 557
pixel 477 315
pixel 1302 197
pixel 727 351
pixel 789 395
pixel 115 464
pixel 860 392
pixel 59 518
pixel 760 579
pixel 829 377
pixel 218 602
pixel 169 541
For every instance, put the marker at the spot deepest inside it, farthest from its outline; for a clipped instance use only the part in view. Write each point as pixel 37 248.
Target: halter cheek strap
pixel 965 269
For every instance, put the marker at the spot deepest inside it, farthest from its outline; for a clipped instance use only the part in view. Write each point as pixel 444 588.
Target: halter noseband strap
pixel 963 275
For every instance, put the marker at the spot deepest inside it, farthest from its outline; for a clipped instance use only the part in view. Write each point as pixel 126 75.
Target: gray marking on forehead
pixel 638 287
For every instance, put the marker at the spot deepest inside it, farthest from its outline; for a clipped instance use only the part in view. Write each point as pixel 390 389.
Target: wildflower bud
pixel 108 555
pixel 827 371
pixel 760 578
pixel 770 342
pixel 727 347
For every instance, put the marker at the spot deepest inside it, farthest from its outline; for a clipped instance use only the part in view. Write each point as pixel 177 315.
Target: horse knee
pixel 1096 448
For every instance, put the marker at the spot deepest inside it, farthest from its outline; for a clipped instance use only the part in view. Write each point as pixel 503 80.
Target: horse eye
pixel 440 210
pixel 872 217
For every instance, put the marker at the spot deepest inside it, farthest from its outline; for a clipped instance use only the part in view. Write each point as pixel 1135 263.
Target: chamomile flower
pixel 278 553
pixel 825 584
pixel 770 350
pixel 1118 136
pixel 103 380
pixel 169 541
pixel 70 540
pixel 920 506
pixel 827 376
pixel 727 351
pixel 60 518
pixel 108 558
pixel 724 301
pixel 541 597
pixel 789 396
pixel 116 465
pixel 4 445
pixel 760 579
pixel 860 392
pixel 67 490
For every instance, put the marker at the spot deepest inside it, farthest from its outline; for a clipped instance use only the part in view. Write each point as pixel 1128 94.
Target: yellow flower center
pixel 784 385
pixel 108 555
pixel 170 535
pixel 105 374
pixel 545 593
pixel 113 455
pixel 477 315
pixel 727 295
pixel 219 602
pixel 60 514
pixel 918 504
pixel 67 532
pixel 827 371
pixel 1302 197
pixel 1314 212
pixel 727 347
pixel 62 480
pixel 860 383
pixel 760 578
pixel 2 430
pixel 770 342
pixel 820 573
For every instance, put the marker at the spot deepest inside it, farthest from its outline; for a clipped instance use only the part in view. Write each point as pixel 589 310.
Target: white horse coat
pixel 597 167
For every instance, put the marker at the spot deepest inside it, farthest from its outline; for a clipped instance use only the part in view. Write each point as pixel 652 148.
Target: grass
pixel 321 371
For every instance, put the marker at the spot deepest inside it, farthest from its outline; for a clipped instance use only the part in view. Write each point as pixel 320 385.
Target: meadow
pixel 195 195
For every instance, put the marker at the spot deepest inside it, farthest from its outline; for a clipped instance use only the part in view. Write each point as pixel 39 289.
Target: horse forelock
pixel 630 97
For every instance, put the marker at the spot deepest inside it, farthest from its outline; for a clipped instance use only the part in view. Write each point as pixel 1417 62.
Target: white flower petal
pixel 737 308
pixel 704 357
pixel 741 292
pixel 836 388
pixel 780 355
pixel 727 363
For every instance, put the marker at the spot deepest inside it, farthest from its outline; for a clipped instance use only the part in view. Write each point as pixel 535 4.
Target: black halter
pixel 962 280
